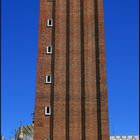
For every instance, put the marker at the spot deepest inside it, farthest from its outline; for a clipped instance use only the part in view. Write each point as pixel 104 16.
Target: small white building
pixel 124 138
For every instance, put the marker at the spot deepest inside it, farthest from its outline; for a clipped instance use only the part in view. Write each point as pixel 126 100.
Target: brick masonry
pixel 78 92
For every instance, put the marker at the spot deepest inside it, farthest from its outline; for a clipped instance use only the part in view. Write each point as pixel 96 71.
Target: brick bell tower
pixel 71 90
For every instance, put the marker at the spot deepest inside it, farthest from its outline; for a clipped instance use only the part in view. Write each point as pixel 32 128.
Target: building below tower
pixel 27 133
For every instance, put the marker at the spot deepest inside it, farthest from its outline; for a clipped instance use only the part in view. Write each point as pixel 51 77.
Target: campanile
pixel 71 89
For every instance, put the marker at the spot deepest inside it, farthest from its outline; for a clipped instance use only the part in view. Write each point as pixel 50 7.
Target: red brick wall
pixel 73 64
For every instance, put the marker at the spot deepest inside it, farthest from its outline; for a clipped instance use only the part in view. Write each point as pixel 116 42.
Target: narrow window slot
pixel 50 23
pixel 49 49
pixel 47 111
pixel 48 79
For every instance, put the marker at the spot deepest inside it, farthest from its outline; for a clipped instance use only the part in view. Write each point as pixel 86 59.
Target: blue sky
pixel 19 55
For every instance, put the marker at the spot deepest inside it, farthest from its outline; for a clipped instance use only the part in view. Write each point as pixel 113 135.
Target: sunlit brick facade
pixel 71 93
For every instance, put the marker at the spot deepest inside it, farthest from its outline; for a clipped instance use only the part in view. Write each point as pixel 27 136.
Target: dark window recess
pixel 47 110
pixel 49 49
pixel 48 79
pixel 50 22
